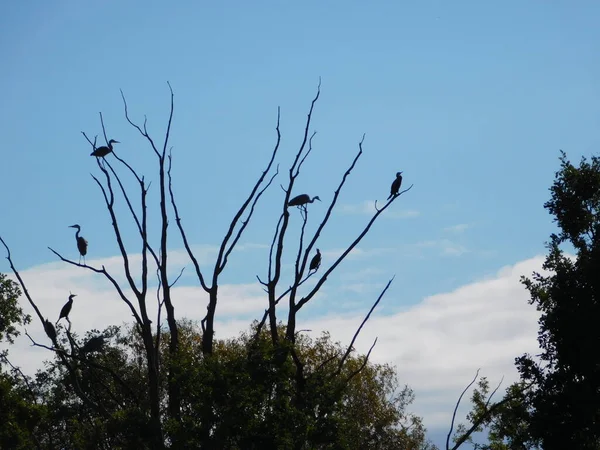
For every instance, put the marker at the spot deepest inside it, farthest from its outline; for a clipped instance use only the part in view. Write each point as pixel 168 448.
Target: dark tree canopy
pixel 11 314
pixel 228 400
pixel 556 404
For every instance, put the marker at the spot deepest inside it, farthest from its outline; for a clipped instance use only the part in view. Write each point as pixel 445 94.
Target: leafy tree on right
pixel 556 405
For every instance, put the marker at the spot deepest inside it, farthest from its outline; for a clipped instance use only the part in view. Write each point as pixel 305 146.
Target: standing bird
pixel 93 344
pixel 81 243
pixel 101 152
pixel 302 200
pixel 315 262
pixel 64 312
pixel 50 331
pixel 396 185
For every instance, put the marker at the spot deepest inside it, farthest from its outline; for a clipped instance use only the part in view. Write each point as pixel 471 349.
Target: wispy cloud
pixel 355 253
pixel 443 246
pixel 368 208
pixel 459 228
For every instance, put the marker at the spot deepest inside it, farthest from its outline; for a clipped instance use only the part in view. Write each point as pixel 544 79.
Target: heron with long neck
pixel 64 312
pixel 101 152
pixel 302 200
pixel 82 244
pixel 396 185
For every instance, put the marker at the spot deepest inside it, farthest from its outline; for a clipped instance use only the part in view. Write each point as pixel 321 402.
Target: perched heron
pixel 302 200
pixel 50 331
pixel 93 344
pixel 101 152
pixel 396 185
pixel 315 262
pixel 82 244
pixel 64 312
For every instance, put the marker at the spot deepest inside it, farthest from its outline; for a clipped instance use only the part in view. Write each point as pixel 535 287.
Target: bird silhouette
pixel 101 152
pixel 396 185
pixel 302 200
pixel 82 244
pixel 64 312
pixel 315 262
pixel 50 331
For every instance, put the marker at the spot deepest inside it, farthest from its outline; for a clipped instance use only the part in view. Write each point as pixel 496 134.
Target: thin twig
pixel 362 324
pixel 456 409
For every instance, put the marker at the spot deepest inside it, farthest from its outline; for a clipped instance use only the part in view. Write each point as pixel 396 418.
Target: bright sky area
pixel 472 100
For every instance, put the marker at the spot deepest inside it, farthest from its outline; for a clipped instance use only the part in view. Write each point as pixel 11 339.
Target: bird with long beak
pixel 64 312
pixel 82 244
pixel 101 152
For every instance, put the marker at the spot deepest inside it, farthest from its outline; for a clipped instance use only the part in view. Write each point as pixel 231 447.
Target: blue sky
pixel 472 100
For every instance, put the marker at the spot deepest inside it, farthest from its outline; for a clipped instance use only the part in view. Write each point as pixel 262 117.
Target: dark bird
pixel 396 185
pixel 82 244
pixel 50 331
pixel 315 262
pixel 64 312
pixel 101 152
pixel 93 344
pixel 302 200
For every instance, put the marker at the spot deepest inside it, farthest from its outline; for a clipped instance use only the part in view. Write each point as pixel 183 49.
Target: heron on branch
pixel 101 152
pixel 302 200
pixel 82 244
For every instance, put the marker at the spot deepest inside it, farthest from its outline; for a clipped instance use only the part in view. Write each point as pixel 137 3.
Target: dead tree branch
pixel 278 238
pixel 316 288
pixel 350 347
pixel 456 409
pixel 291 326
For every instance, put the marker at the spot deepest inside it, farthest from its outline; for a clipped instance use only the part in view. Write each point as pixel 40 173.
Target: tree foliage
pixel 230 400
pixel 11 314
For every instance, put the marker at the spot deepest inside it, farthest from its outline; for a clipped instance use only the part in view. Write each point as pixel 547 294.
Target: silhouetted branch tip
pixel 456 408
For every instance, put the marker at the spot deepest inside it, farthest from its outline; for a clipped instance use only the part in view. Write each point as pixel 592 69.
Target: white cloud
pixel 368 208
pixel 437 344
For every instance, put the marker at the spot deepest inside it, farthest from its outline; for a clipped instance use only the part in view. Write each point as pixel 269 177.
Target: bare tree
pixel 154 253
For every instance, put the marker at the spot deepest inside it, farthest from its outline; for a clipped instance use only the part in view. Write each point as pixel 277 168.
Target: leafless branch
pixel 110 201
pixel 456 409
pixel 327 361
pixel 104 272
pixel 494 392
pixel 178 277
pixel 275 274
pixel 21 282
pixel 323 278
pixel 158 315
pixel 364 363
pixel 182 231
pixel 143 132
pixel 246 221
pixel 343 360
